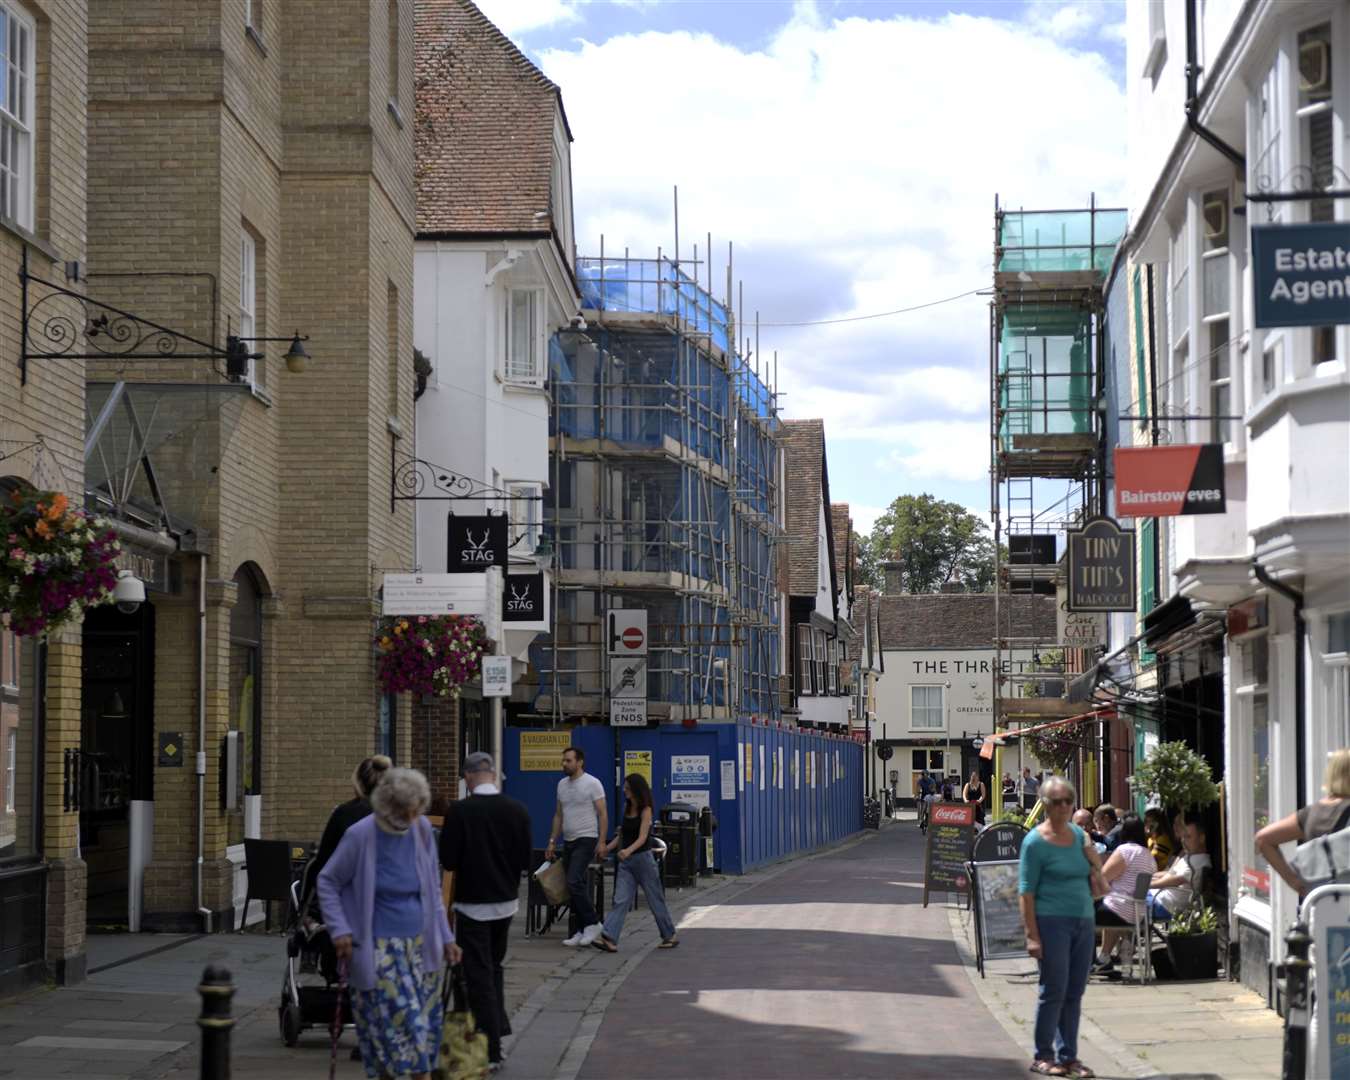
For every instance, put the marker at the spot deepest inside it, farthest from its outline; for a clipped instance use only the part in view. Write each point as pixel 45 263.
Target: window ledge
pixel 257 40
pixel 1157 56
pixel 9 225
pixel 259 394
pixel 1257 912
pixel 1276 400
pixel 535 386
pixel 396 113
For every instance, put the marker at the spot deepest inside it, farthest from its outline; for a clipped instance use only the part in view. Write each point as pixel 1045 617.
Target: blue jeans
pixel 577 856
pixel 1160 913
pixel 638 869
pixel 1066 957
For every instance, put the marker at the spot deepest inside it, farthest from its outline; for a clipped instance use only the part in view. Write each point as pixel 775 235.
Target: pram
pixel 310 991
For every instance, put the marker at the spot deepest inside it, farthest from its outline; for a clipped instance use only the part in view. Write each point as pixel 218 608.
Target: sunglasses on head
pixel 1064 801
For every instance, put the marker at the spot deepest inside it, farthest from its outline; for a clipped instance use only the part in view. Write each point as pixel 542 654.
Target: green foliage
pixel 1178 776
pixel 866 566
pixel 1193 921
pixel 934 541
pixel 1055 748
pixel 1015 814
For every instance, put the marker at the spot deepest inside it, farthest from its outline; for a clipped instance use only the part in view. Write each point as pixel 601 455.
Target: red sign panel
pixel 953 814
pixel 1256 879
pixel 1166 481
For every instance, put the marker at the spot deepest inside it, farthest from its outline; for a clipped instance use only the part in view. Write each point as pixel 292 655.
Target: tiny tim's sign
pixel 1101 567
pixel 1301 274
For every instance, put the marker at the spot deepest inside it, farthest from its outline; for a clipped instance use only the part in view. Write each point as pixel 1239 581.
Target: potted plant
pixel 1178 777
pixel 429 654
pixel 56 561
pixel 1193 943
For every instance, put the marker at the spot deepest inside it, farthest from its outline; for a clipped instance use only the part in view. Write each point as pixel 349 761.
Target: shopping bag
pixel 552 878
pixel 463 1053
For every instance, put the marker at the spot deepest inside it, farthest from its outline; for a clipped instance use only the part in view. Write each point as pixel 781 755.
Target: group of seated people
pixel 1131 846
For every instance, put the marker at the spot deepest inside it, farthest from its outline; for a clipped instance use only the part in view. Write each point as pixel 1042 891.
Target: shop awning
pixel 997 739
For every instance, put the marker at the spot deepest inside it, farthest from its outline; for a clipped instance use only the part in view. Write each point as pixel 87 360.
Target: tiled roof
pixel 804 441
pixel 843 541
pixel 483 127
pixel 962 620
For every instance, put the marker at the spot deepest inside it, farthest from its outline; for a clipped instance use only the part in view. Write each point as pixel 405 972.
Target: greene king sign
pixel 1101 567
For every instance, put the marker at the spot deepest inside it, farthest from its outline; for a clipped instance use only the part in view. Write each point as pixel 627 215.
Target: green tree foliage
pixel 934 541
pixel 1178 776
pixel 867 567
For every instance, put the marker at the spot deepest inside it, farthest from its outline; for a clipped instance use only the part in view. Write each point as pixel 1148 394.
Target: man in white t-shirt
pixel 581 819
pixel 1173 888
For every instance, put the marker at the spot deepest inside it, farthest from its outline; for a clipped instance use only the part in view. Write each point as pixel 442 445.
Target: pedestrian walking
pixel 1055 897
pixel 1029 787
pixel 485 843
pixel 1329 814
pixel 637 867
pixel 364 778
pixel 974 792
pixel 381 899
pixel 928 790
pixel 581 818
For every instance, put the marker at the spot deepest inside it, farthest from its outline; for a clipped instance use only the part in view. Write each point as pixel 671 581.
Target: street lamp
pixel 238 354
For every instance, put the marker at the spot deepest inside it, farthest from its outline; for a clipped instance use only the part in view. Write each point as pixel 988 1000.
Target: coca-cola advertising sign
pixel 953 814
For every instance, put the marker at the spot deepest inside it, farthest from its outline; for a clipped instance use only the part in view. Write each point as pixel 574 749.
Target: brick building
pixel 42 216
pixel 250 175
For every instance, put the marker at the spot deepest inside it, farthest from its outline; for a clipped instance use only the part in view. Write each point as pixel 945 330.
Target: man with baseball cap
pixel 485 843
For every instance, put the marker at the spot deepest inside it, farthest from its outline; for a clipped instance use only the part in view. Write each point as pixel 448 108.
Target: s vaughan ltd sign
pixel 1301 274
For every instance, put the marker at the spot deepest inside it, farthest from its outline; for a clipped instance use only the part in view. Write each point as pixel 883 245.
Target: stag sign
pixel 476 542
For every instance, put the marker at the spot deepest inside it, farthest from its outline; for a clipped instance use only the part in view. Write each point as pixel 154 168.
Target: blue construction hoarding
pixel 775 791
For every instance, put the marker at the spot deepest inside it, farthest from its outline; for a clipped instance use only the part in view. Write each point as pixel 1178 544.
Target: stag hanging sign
pixel 476 542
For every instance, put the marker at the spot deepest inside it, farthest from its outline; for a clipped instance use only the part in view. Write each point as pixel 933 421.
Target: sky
pixel 852 151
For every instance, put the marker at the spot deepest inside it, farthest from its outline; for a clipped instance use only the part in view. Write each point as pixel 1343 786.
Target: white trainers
pixel 591 932
pixel 575 939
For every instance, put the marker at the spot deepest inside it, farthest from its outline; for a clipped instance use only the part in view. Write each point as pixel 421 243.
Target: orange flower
pixel 58 507
pixel 43 530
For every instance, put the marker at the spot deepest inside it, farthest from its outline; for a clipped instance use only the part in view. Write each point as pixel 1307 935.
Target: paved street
pixel 826 966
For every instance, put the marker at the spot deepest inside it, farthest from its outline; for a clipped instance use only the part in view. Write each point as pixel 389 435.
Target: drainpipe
pixel 202 909
pixel 1193 95
pixel 1300 637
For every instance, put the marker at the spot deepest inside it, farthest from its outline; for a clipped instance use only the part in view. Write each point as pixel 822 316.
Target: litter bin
pixel 679 829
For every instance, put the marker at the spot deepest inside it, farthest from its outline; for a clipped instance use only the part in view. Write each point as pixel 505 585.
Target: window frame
pixel 805 660
pixel 248 298
pixel 822 661
pixel 11 751
pixel 534 375
pixel 23 200
pixel 526 496
pixel 928 708
pixel 832 648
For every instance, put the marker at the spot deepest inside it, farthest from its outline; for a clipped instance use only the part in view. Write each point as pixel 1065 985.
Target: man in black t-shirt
pixel 485 843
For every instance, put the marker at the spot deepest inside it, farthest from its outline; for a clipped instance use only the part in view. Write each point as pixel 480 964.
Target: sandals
pixel 669 943
pixel 1048 1068
pixel 1077 1069
pixel 604 944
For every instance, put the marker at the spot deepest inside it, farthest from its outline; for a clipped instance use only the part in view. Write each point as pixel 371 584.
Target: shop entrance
pixel 116 751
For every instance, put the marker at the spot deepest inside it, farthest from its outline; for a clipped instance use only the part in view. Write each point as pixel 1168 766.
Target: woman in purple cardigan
pixel 381 899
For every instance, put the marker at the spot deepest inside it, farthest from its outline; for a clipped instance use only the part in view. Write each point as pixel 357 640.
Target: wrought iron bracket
pixel 62 324
pixel 1305 181
pixel 416 480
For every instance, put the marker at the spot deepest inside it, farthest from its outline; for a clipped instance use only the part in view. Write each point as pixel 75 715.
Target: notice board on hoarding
pixel 951 831
pixel 541 751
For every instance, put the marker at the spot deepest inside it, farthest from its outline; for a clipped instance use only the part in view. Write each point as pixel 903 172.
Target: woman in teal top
pixel 1057 861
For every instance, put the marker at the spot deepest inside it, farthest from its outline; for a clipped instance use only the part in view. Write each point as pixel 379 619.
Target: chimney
pixel 894 572
pixel 951 587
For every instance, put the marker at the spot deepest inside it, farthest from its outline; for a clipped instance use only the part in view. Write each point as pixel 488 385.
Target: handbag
pixel 553 881
pixel 1325 859
pixel 463 1053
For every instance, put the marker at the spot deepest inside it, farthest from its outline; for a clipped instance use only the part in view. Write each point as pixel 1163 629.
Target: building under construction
pixel 1046 367
pixel 664 496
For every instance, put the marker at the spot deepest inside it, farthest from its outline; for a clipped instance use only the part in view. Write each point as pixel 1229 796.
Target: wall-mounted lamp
pixel 238 354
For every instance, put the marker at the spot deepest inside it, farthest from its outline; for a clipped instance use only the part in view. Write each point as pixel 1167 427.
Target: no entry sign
pixel 628 632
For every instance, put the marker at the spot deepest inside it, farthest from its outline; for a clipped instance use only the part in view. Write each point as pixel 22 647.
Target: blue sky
pixel 852 150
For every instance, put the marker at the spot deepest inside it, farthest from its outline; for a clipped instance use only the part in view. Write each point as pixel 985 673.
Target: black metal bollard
pixel 215 1021
pixel 1297 970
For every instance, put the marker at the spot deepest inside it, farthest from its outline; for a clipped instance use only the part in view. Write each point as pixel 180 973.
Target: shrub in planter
pixel 1178 776
pixel 56 561
pixel 1193 943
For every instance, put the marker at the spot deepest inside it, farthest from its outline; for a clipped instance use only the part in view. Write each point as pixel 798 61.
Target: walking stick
pixel 336 1029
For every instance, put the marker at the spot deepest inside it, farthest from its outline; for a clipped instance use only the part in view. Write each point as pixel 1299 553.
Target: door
pixel 116 750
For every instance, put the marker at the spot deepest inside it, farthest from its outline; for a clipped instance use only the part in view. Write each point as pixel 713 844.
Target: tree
pixel 934 541
pixel 866 567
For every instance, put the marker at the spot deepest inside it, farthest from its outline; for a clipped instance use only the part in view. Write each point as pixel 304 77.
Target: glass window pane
pixel 916 759
pixel 17 834
pixel 1260 751
pixel 1218 349
pixel 1214 285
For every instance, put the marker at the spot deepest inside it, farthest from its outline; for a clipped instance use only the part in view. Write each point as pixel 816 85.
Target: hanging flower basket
pixel 429 654
pixel 56 561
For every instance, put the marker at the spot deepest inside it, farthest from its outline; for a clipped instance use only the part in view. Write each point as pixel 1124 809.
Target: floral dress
pixel 398 1023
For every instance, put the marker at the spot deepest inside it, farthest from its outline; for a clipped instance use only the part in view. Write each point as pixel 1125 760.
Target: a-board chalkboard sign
pixel 998 919
pixel 999 843
pixel 951 827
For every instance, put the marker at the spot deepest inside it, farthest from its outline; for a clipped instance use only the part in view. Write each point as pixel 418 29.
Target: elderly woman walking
pixel 381 899
pixel 1058 859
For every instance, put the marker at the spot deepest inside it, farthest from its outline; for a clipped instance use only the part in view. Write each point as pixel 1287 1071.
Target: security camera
pixel 578 323
pixel 129 593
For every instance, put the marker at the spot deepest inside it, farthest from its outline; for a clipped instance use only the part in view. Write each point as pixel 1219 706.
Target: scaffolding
pixel 1047 448
pixel 664 496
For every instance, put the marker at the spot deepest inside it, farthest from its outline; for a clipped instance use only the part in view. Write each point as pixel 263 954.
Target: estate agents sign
pixel 1301 274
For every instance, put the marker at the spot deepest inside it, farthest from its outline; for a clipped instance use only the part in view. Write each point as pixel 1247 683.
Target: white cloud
pixel 519 16
pixel 1076 20
pixel 854 162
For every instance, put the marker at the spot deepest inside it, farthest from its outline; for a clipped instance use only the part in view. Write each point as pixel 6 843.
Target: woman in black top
pixel 345 815
pixel 974 792
pixel 637 867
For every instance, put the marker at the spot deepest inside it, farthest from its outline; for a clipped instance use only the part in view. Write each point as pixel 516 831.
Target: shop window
pixel 18 839
pixel 246 642
pixel 1253 731
pixel 925 708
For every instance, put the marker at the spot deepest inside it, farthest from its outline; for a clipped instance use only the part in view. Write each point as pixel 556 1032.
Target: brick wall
pixel 435 745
